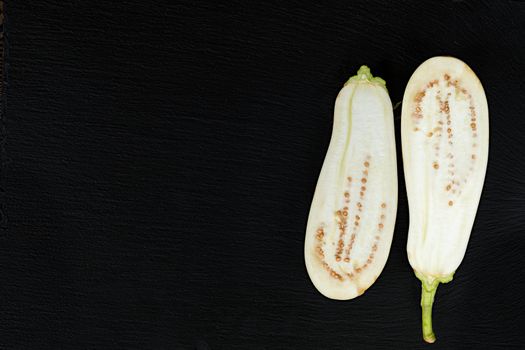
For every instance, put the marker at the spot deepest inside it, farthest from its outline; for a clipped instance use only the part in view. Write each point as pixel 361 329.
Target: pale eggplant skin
pixel 445 140
pixel 352 216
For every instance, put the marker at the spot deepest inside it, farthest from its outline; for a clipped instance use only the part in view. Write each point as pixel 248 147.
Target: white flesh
pixel 362 148
pixel 445 170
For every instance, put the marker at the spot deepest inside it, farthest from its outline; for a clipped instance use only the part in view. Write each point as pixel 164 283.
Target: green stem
pixel 427 299
pixel 364 75
pixel 429 286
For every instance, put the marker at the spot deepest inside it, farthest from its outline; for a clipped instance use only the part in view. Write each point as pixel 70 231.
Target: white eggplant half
pixel 352 216
pixel 445 138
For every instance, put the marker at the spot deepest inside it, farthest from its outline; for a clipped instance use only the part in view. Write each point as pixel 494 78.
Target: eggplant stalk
pixel 428 291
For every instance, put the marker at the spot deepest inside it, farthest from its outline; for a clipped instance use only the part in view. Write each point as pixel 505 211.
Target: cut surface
pixel 445 151
pixel 352 215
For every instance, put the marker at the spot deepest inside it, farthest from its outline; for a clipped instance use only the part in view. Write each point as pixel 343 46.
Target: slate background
pixel 162 156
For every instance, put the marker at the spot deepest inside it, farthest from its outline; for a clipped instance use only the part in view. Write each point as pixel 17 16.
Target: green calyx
pixel 429 286
pixel 364 75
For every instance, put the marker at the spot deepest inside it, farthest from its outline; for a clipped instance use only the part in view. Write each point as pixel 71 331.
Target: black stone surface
pixel 161 157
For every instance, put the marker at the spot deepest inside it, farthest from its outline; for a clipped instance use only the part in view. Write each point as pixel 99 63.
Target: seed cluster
pixel 375 244
pixel 444 123
pixel 320 253
pixel 342 217
pixel 359 209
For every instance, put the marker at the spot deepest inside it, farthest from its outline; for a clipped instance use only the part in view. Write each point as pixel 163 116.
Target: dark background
pixel 161 157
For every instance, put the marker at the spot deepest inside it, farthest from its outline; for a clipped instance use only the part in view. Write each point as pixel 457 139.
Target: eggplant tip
pixel 430 338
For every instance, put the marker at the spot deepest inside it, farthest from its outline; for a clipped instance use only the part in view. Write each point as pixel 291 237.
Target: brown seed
pixel 382 216
pixel 418 109
pixel 449 187
pixel 416 129
pixel 449 130
pixel 359 205
pixel 357 217
pixel 338 258
pixel 374 247
pixel 361 194
pixel 383 205
pixel 363 188
pixel 473 156
pixel 367 164
pixel 347 259
pixel 320 230
pixel 381 226
pixel 356 223
pixel 446 76
pixel 473 125
pixel 369 261
pixel 345 213
pixel 349 178
pixel 436 165
pixel 430 134
pixel 347 194
pixel 363 180
pixel 450 203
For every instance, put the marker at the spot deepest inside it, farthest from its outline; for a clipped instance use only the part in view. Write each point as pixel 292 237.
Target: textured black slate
pixel 162 156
